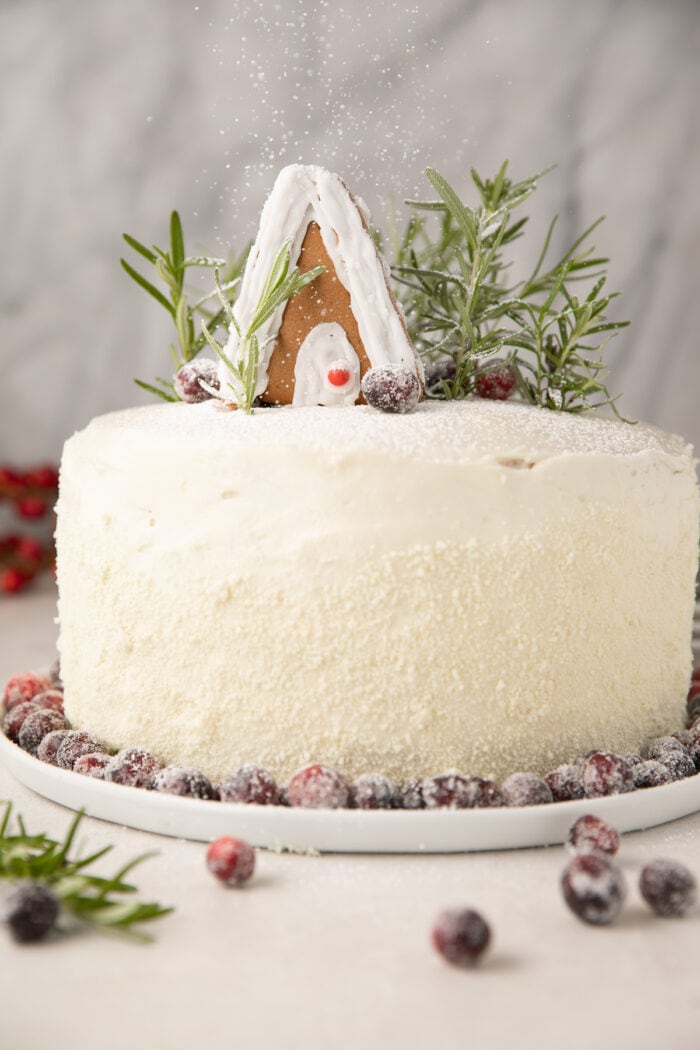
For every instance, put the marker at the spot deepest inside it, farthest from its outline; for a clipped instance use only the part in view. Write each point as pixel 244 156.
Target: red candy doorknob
pixel 338 376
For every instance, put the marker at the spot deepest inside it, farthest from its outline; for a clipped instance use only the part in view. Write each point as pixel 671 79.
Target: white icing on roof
pixel 303 194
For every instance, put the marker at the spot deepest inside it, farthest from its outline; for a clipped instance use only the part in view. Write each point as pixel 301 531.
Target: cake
pixel 482 586
pixel 475 585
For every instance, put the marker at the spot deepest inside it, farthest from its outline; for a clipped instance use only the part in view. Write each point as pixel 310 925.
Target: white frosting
pixel 325 348
pixel 480 586
pixel 303 194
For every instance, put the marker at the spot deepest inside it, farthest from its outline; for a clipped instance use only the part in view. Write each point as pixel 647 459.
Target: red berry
pixel 75 744
pixel 15 716
pixel 13 580
pixel 461 936
pixel 37 725
pixel 10 479
pixel 50 698
pixel 338 376
pixel 25 686
pixel 132 766
pixel 250 784
pixel 496 382
pixel 606 774
pixel 372 791
pixel 48 748
pixel 92 765
pixel 45 477
pixel 31 507
pixel 590 834
pixel 231 860
pixel 318 787
pixel 668 887
pixel 391 388
pixel 187 381
pixel 29 549
pixel 565 782
pixel 593 888
pixel 526 789
pixel 189 783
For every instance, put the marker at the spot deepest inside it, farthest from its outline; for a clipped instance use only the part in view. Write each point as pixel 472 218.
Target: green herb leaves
pixel 280 285
pixel 460 308
pixel 106 903
pixel 170 268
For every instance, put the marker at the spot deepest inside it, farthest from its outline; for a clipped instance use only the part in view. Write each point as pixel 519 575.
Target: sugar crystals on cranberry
pixel 48 748
pixel 566 782
pixel 526 789
pixel 461 936
pixel 410 794
pixel 495 381
pixel 372 791
pixel 133 767
pixel 593 888
pixel 76 743
pixel 668 887
pixel 651 773
pixel 251 784
pixel 672 754
pixel 391 388
pixel 231 860
pixel 176 780
pixel 92 765
pixel 318 787
pixel 188 380
pixel 605 773
pixel 37 725
pixel 591 834
pixel 25 686
pixel 447 791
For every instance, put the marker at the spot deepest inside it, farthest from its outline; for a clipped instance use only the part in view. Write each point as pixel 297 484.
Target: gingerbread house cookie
pixel 316 347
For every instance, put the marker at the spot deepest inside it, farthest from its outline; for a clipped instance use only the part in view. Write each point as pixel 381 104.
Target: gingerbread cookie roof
pixel 316 347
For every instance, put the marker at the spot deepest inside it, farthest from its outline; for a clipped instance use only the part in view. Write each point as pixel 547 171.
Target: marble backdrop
pixel 113 112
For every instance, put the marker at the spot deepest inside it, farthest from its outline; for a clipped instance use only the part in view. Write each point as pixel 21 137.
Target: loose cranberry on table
pixel 189 783
pixel 25 686
pixel 231 860
pixel 605 773
pixel 668 887
pixel 593 888
pixel 591 834
pixel 133 767
pixel 318 787
pixel 31 911
pixel 461 936
pixel 250 784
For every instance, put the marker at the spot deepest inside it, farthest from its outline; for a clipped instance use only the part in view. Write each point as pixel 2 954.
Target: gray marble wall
pixel 115 111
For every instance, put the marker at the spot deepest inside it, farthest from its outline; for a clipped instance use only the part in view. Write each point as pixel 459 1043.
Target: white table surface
pixel 334 950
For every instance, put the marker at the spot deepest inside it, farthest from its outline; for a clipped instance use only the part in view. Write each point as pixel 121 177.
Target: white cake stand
pixel 346 830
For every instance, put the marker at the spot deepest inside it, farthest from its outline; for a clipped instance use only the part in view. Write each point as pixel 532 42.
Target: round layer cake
pixel 476 586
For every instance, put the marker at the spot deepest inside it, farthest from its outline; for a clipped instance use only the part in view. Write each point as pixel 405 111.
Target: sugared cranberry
pixel 411 794
pixel 495 381
pixel 250 784
pixel 438 373
pixel 44 477
pixel 484 793
pixel 372 791
pixel 132 766
pixel 565 782
pixel 29 550
pixel 670 752
pixel 14 718
pixel 51 698
pixel 187 381
pixel 447 791
pixel 651 773
pixel 606 774
pixel 526 789
pixel 593 888
pixel 231 860
pixel 37 725
pixel 13 580
pixel 318 787
pixel 668 887
pixel 31 911
pixel 48 748
pixel 25 686
pixel 461 936
pixel 391 388
pixel 92 765
pixel 176 780
pixel 591 834
pixel 75 744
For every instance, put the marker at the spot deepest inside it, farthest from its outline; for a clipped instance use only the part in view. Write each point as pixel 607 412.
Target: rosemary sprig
pixel 280 285
pixel 170 268
pixel 99 902
pixel 460 308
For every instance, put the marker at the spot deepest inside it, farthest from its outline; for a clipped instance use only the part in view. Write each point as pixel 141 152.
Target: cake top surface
pixel 443 432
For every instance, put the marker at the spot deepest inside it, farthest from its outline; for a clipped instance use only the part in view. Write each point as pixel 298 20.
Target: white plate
pixel 347 830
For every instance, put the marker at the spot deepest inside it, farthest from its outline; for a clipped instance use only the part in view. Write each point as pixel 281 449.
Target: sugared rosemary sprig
pixel 461 309
pixel 170 268
pixel 280 285
pixel 103 903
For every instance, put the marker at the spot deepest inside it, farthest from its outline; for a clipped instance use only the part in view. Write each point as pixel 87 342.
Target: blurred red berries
pixel 30 497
